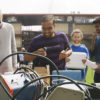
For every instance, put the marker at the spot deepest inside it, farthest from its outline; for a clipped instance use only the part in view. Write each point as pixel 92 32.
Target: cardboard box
pixel 43 71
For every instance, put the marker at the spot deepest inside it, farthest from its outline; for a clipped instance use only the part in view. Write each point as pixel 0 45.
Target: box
pixel 43 71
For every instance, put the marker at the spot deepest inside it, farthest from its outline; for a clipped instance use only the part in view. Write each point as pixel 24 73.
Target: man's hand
pixel 31 58
pixel 65 54
pixel 41 52
pixel 62 55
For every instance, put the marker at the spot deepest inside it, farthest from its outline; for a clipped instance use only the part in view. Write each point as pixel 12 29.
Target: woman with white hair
pixel 7 46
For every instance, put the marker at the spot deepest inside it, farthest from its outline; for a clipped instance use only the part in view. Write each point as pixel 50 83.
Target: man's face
pixel 48 28
pixel 97 27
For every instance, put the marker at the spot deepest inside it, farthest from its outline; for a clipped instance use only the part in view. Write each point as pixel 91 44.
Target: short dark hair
pixel 97 20
pixel 48 18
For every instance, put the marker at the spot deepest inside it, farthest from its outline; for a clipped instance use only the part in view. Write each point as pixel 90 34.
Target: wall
pixel 85 28
pixel 61 27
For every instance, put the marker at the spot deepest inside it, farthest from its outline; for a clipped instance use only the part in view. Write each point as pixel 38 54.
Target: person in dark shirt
pixel 95 50
pixel 54 45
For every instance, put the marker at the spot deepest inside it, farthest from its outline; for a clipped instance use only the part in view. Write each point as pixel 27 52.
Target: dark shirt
pixel 96 52
pixel 54 45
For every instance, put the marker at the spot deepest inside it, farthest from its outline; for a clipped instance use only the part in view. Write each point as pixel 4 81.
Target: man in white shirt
pixel 7 46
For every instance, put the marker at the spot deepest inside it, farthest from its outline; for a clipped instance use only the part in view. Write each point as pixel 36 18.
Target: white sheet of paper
pixel 76 61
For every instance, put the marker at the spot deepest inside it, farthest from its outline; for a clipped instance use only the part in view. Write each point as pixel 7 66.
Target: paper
pixel 76 61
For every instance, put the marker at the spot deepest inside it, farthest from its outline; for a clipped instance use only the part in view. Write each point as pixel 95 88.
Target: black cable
pixel 44 78
pixel 27 68
pixel 32 54
pixel 88 85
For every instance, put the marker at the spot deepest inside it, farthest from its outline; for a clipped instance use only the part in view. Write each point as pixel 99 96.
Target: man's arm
pixel 93 65
pixel 93 42
pixel 31 58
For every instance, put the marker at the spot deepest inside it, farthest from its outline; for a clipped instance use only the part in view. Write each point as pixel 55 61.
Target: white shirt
pixel 7 46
